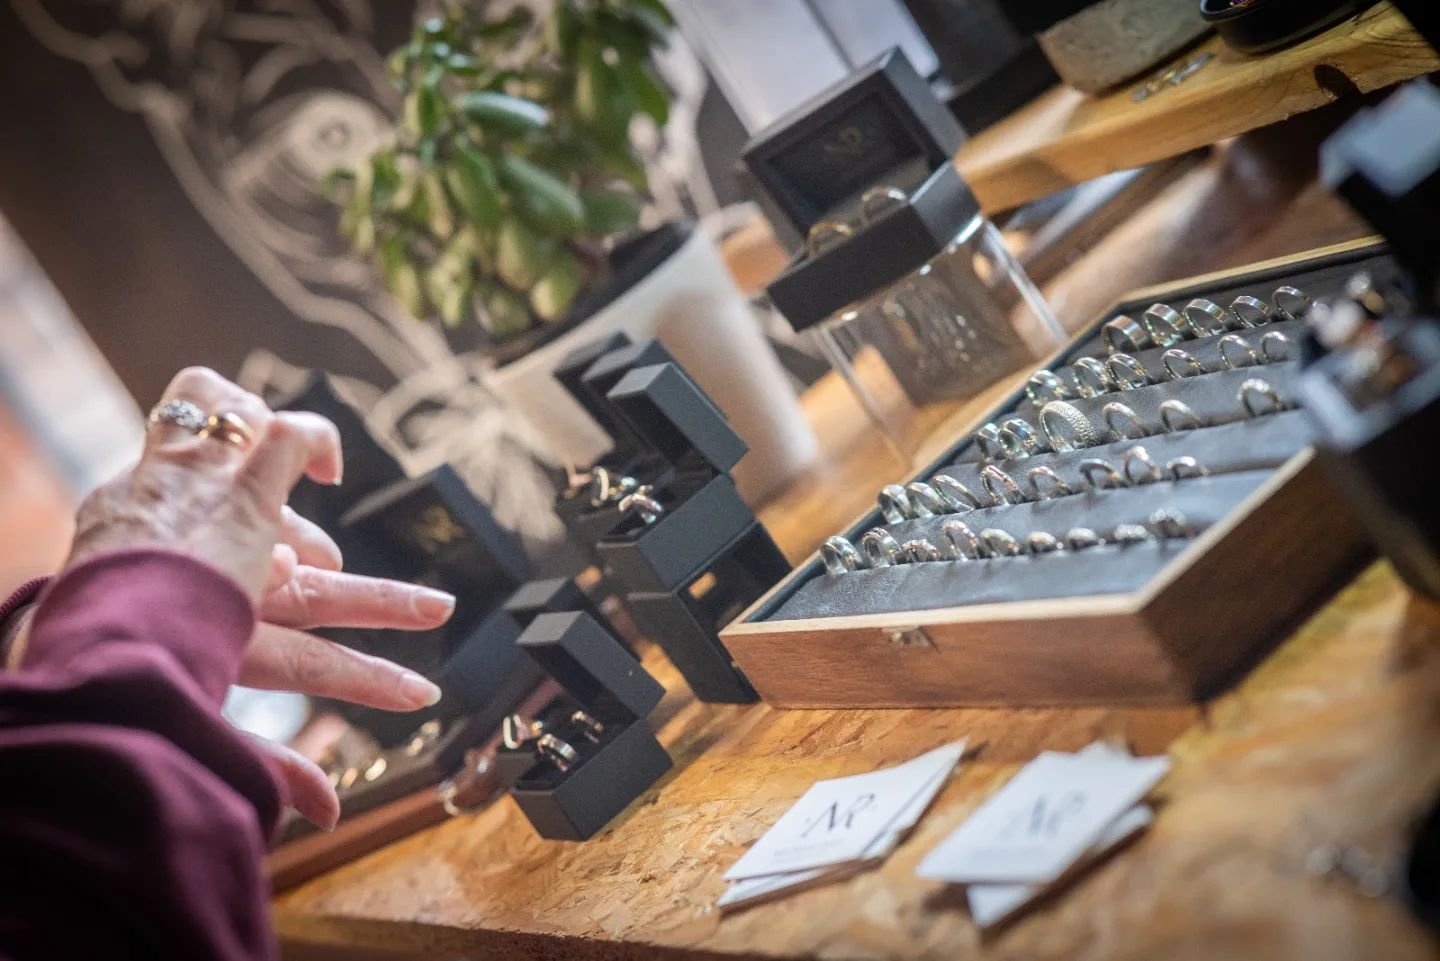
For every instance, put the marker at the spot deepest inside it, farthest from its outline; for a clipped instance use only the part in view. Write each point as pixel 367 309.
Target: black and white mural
pixel 163 161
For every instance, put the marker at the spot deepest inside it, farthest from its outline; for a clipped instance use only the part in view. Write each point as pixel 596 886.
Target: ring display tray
pixel 1183 572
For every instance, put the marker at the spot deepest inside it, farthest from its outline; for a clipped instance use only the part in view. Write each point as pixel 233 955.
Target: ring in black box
pixel 608 756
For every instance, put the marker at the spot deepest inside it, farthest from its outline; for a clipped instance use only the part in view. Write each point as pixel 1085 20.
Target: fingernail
pixel 431 604
pixel 418 691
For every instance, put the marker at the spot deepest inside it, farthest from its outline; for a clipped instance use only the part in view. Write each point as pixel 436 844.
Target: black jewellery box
pixel 880 125
pixel 588 375
pixel 588 768
pixel 661 562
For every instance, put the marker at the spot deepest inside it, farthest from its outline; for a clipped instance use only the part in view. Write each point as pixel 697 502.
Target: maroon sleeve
pixel 132 818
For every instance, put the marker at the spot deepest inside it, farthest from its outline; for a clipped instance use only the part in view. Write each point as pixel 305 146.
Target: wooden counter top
pixel 1330 740
pixel 1064 137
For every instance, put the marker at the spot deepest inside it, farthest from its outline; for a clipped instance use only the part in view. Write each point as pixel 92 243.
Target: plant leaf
pixel 609 212
pixel 438 215
pixel 602 101
pixel 471 179
pixel 650 96
pixel 401 276
pixel 656 8
pixel 541 198
pixel 556 291
pixel 503 313
pixel 522 256
pixel 493 110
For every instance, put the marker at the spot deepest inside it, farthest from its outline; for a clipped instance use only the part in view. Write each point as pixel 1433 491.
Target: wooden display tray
pixel 1198 625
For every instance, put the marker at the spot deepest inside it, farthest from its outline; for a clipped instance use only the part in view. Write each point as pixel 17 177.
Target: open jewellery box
pixel 614 755
pixel 1249 549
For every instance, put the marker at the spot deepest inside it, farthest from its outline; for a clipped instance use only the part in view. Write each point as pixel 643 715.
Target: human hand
pixel 217 500
pixel 307 590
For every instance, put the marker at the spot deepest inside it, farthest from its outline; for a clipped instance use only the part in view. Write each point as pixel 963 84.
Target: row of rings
pixel 879 548
pixel 1066 427
pixel 945 495
pixel 1164 326
pixel 1122 371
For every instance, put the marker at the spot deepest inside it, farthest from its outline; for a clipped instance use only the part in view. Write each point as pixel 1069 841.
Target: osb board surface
pixel 1065 137
pixel 1332 739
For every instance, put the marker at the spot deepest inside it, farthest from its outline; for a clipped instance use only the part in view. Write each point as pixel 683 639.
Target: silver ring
pixel 1127 534
pixel 1254 386
pixel 560 753
pixel 1165 325
pixel 643 503
pixel 1292 303
pixel 1168 522
pixel 925 501
pixel 881 549
pixel 180 413
pixel 1099 375
pixel 1058 487
pixel 1123 334
pixel 1126 372
pixel 1192 366
pixel 964 545
pixel 1022 439
pixel 999 543
pixel 885 191
pixel 1206 317
pixel 1091 465
pixel 1042 542
pixel 1009 492
pixel 894 504
pixel 1141 456
pixel 1171 410
pixel 1271 339
pixel 956 495
pixel 919 550
pixel 1235 340
pixel 1116 409
pixel 591 729
pixel 1071 416
pixel 1250 311
pixel 1079 538
pixel 840 556
pixel 1182 467
pixel 1045 386
pixel 991 444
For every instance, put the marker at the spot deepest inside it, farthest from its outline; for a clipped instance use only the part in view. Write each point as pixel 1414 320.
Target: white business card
pixel 1044 818
pixel 842 819
pixel 992 903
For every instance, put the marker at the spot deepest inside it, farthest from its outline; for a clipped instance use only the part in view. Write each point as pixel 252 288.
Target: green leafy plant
pixel 512 167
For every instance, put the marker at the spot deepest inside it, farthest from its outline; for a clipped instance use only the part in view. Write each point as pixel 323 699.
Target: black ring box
pixel 658 565
pixel 623 760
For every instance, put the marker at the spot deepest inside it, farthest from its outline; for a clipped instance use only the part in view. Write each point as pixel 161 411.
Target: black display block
pixel 677 420
pixel 613 766
pixel 571 375
pixel 554 596
pixel 686 621
pixel 880 124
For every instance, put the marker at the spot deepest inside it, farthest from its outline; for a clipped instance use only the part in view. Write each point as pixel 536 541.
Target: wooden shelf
pixel 1065 137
